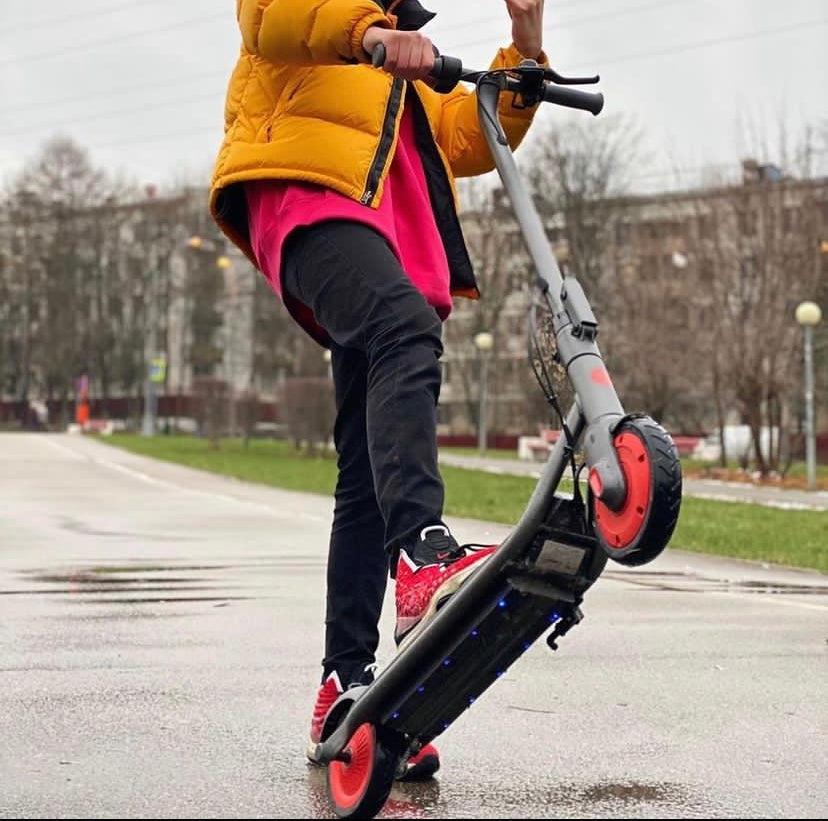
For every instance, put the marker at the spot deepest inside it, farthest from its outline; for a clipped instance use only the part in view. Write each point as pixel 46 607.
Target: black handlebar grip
pixel 378 55
pixel 446 71
pixel 572 98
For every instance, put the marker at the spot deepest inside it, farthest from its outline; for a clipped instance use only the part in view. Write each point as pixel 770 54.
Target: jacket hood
pixel 410 13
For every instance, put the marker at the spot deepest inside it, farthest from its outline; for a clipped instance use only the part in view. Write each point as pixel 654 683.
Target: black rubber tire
pixel 360 787
pixel 649 527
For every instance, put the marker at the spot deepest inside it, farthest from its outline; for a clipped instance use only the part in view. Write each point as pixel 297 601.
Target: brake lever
pixel 553 75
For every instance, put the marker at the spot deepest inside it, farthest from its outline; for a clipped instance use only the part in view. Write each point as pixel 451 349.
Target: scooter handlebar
pixel 572 98
pixel 448 71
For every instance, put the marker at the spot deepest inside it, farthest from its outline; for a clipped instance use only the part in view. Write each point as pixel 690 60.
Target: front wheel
pixel 360 783
pixel 638 532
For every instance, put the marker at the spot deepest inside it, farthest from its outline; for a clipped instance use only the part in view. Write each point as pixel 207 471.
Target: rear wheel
pixel 638 532
pixel 358 785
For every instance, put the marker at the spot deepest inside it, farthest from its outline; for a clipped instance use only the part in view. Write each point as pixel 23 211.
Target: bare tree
pixel 282 348
pixel 51 204
pixel 577 171
pixel 657 339
pixel 765 258
pixel 213 399
pixel 308 412
pixel 22 281
pixel 502 271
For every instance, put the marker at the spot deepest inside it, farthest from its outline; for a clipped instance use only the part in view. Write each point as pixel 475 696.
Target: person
pixel 337 180
pixel 40 414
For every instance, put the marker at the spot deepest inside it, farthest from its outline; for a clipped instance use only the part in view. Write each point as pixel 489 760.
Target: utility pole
pixel 150 347
pixel 28 201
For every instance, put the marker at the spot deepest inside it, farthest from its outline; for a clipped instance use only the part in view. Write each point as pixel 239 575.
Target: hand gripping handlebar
pixel 534 82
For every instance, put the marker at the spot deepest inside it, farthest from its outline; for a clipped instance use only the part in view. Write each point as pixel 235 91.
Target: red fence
pixel 123 408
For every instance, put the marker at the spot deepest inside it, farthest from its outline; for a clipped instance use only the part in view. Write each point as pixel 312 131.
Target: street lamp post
pixel 231 315
pixel 484 342
pixel 231 286
pixel 808 315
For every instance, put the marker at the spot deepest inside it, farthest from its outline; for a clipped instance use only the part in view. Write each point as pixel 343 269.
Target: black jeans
pixel 385 350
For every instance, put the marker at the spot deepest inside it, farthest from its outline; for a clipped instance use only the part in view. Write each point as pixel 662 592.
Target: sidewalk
pixel 699 488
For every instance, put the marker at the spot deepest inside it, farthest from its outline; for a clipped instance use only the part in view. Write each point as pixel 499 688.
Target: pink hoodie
pixel 405 218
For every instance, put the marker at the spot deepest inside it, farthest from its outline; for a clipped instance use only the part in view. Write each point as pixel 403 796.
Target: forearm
pixel 308 31
pixel 460 134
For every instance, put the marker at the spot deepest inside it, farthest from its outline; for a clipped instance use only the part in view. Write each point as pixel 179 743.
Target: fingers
pixel 408 54
pixel 527 25
pixel 524 6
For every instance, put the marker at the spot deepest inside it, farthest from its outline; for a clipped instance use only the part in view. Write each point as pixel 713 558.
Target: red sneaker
pixel 421 766
pixel 429 573
pixel 418 767
pixel 327 694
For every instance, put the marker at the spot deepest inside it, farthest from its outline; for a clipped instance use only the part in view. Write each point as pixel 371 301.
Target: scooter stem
pixel 574 323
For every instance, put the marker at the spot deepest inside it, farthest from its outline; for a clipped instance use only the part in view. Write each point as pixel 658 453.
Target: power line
pixel 715 41
pixel 108 114
pixel 120 90
pixel 52 22
pixel 222 15
pixel 611 61
pixel 133 35
pixel 623 12
pixel 500 18
pixel 203 130
pixel 117 90
pixel 689 46
pixel 48 55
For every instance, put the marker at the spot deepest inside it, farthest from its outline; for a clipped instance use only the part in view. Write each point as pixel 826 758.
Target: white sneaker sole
pixel 311 753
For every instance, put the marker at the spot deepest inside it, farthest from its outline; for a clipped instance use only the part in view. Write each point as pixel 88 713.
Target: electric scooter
pixel 534 582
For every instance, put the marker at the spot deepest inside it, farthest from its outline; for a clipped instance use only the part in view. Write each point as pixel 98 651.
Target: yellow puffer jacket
pixel 305 104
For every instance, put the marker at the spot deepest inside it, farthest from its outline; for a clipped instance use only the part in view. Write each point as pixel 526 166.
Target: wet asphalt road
pixel 160 635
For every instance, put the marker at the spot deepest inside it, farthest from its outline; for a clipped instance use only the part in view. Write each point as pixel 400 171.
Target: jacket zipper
pixel 386 141
pixel 442 202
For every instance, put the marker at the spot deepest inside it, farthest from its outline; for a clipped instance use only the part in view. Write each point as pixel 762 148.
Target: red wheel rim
pixel 348 780
pixel 620 528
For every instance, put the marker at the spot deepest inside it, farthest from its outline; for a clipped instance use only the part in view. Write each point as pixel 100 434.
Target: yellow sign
pixel 158 370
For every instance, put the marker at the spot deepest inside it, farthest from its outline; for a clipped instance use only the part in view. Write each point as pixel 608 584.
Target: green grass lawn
pixel 793 538
pixel 691 467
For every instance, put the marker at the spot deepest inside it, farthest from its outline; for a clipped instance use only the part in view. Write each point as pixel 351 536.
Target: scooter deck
pixel 489 649
pixel 519 593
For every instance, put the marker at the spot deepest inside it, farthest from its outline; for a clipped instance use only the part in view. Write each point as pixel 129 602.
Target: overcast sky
pixel 141 83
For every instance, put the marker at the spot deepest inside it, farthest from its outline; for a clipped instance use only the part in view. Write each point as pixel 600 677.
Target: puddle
pixel 163 600
pixel 628 793
pixel 154 582
pixel 604 799
pixel 695 583
pixel 148 584
pixel 406 799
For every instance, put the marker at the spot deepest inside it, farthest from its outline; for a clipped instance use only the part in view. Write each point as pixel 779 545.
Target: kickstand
pixel 564 626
